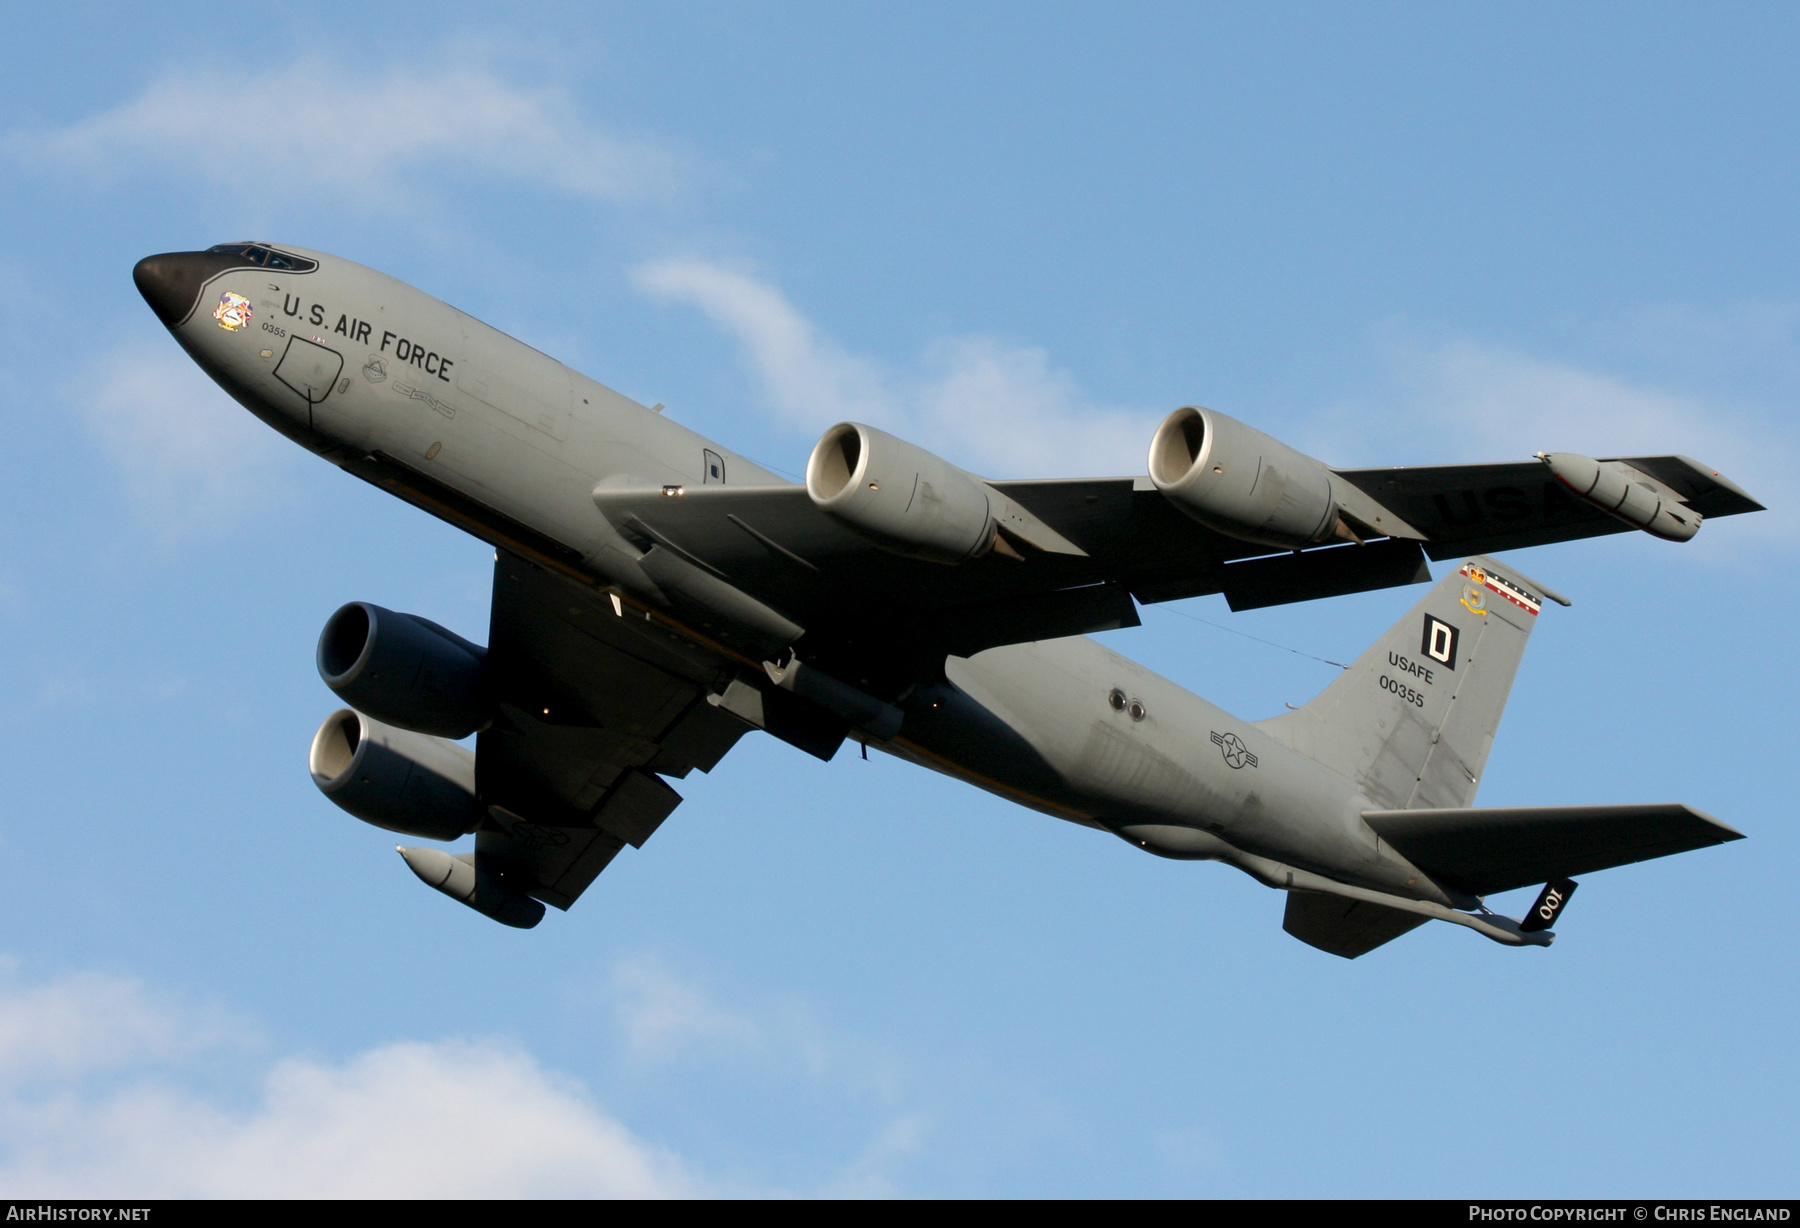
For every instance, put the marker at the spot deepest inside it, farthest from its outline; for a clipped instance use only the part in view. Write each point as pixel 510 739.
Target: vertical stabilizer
pixel 1412 721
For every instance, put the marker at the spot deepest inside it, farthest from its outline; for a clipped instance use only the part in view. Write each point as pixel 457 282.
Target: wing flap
pixel 1075 611
pixel 1331 572
pixel 1483 850
pixel 556 864
pixel 553 864
pixel 595 706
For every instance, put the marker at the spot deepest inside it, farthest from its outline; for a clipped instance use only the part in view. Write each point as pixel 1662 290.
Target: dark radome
pixel 171 282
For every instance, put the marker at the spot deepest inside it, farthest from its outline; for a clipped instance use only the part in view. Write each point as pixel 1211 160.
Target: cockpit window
pixel 257 254
pixel 240 249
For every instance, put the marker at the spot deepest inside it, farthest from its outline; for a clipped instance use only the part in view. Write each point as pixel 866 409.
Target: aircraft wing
pixel 1121 540
pixel 772 543
pixel 595 709
pixel 1480 509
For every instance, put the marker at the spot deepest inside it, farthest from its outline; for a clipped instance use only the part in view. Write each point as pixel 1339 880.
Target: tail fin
pixel 1412 721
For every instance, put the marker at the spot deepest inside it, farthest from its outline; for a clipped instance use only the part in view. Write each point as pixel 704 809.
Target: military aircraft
pixel 657 596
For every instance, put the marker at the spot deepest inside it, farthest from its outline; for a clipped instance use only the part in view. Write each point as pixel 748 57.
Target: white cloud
pixel 1007 404
pixel 666 1017
pixel 367 137
pixel 438 1120
pixel 870 1174
pixel 98 1099
pixel 1000 409
pixel 190 459
pixel 662 1015
pixel 1006 410
pixel 87 1023
pixel 413 1120
pixel 1464 401
pixel 808 379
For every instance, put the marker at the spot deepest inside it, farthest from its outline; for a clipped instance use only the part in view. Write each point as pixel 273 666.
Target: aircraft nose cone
pixel 171 282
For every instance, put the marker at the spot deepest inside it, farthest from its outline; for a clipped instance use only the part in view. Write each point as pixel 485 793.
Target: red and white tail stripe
pixel 1501 585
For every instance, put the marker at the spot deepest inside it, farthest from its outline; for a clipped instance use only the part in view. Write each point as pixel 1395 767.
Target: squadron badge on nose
pixel 233 311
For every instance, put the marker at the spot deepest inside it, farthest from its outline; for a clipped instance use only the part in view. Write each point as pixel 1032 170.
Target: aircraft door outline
pixel 310 371
pixel 714 468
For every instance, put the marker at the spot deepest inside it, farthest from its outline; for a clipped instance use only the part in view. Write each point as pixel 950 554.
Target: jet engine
pixel 407 782
pixel 899 496
pixel 1240 482
pixel 1634 497
pixel 405 670
pixel 463 878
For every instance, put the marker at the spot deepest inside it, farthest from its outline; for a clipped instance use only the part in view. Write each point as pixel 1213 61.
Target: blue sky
pixel 1018 235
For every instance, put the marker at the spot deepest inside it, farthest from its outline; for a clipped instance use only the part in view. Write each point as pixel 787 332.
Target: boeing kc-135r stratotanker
pixel 657 596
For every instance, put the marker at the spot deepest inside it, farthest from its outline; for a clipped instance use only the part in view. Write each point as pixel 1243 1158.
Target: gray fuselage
pixel 525 440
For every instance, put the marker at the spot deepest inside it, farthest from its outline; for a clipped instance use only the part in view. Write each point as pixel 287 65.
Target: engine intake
pixel 899 496
pixel 407 782
pixel 1237 480
pixel 405 670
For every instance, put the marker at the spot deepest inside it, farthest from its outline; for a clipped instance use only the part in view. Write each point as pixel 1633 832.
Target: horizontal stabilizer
pixel 1345 927
pixel 1489 849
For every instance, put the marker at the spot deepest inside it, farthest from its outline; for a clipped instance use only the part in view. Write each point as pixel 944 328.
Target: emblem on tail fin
pixel 1473 598
pixel 1479 578
pixel 1440 642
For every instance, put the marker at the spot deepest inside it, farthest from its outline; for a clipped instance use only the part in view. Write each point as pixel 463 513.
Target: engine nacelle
pixel 1615 487
pixel 405 670
pixel 407 782
pixel 1240 482
pixel 899 496
pixel 462 877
